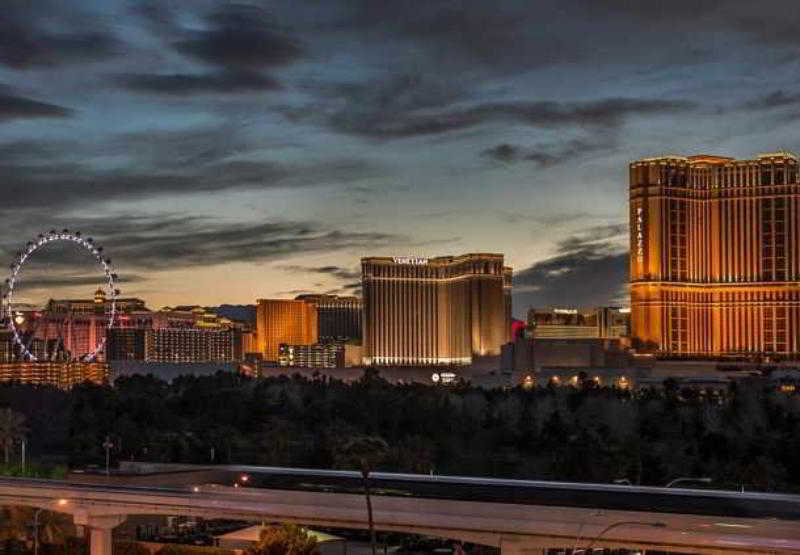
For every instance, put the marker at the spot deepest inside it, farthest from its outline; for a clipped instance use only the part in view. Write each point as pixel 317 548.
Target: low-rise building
pixel 319 355
pixel 606 322
pixel 188 345
pixel 63 375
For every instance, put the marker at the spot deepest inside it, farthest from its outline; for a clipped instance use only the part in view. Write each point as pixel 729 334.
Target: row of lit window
pixel 737 176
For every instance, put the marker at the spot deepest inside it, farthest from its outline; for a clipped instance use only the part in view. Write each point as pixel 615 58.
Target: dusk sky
pixel 227 151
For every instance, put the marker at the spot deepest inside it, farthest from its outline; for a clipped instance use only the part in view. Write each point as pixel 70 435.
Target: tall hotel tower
pixel 445 310
pixel 284 321
pixel 715 264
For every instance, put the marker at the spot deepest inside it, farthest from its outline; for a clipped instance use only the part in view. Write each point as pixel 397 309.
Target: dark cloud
pixel 605 112
pixel 554 218
pixel 516 35
pixel 775 99
pixel 590 257
pixel 386 107
pixel 180 241
pixel 334 271
pixel 591 236
pixel 241 36
pixel 546 155
pixel 354 287
pixel 18 107
pixel 29 151
pixel 660 10
pixel 140 244
pixel 294 292
pixel 28 40
pixel 56 282
pixel 499 36
pixel 350 289
pixel 552 155
pixel 763 21
pixel 180 84
pixel 386 118
pixel 160 163
pixel 168 242
pixel 504 152
pixel 157 15
pixel 184 148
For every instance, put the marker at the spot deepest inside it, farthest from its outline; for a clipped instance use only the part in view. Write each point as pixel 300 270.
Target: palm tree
pixel 285 539
pixel 12 428
pixel 16 523
pixel 365 453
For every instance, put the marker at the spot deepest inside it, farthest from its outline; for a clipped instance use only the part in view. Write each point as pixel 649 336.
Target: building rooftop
pixel 325 296
pixel 778 154
pixel 716 159
pixel 121 300
pixel 421 260
pixel 709 159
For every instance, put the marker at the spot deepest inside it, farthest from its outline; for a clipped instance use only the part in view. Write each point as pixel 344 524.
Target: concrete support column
pixel 100 542
pixel 100 531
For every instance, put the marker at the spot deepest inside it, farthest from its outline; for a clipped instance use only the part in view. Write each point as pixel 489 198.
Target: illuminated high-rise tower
pixel 445 310
pixel 284 321
pixel 715 264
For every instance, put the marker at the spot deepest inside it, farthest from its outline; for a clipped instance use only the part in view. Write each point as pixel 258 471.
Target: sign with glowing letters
pixel 640 234
pixel 410 260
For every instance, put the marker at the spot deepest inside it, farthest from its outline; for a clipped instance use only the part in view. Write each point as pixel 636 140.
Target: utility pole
pixel 22 462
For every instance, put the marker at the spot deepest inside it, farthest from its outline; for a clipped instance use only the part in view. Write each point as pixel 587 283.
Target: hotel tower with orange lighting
pixel 293 322
pixel 715 264
pixel 445 310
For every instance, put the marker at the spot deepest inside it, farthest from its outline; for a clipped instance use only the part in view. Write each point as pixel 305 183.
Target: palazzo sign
pixel 640 234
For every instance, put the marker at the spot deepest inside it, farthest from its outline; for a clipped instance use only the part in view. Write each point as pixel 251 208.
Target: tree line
pixel 747 437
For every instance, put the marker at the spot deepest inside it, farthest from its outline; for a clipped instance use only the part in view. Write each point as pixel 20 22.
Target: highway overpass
pixel 569 515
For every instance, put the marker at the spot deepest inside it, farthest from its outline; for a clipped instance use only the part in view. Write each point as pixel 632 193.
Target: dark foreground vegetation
pixel 748 437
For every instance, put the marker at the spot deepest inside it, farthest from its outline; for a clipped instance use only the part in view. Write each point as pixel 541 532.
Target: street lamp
pixel 36 531
pixel 704 480
pixel 624 523
pixel 107 445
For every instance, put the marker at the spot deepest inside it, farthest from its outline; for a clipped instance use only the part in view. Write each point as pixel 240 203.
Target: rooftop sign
pixel 410 260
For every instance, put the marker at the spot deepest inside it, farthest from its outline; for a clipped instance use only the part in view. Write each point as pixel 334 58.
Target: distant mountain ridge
pixel 242 312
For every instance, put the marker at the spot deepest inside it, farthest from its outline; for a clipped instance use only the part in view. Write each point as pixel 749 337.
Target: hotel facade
pixel 293 322
pixel 338 318
pixel 715 264
pixel 438 311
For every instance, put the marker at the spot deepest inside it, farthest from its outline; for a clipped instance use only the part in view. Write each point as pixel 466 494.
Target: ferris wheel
pixel 26 331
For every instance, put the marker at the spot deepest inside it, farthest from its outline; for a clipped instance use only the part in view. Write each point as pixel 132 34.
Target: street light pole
pixel 107 445
pixel 580 529
pixel 36 531
pixel 704 480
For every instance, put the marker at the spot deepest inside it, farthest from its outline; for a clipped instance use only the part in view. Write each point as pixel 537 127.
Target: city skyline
pixel 404 276
pixel 224 167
